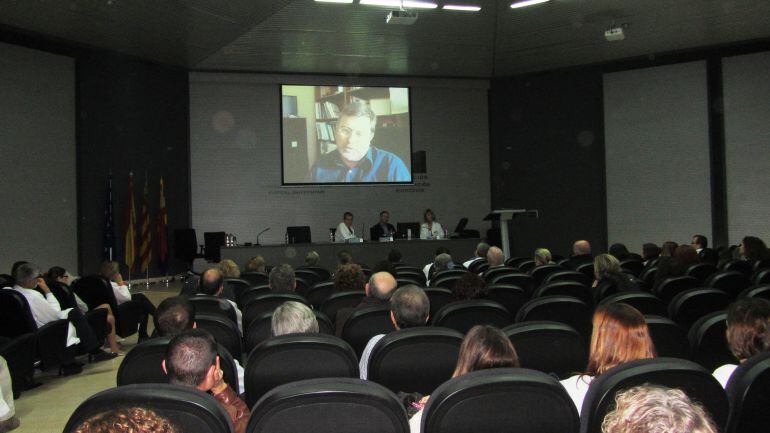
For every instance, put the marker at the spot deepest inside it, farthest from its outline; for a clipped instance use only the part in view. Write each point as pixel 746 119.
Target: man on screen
pixel 356 160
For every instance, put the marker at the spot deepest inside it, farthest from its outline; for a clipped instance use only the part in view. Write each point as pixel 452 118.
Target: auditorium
pixel 385 216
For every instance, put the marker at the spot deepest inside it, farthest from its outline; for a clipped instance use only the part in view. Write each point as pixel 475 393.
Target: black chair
pixel 446 281
pixel 526 265
pixel 511 399
pixel 742 266
pixel 212 245
pixel 255 278
pixel 567 275
pixel 401 282
pixel 234 287
pixel 565 288
pixel 479 266
pixel 756 292
pixel 325 325
pixel 302 286
pixel 646 303
pixel 267 303
pixel 648 277
pixel 671 287
pixel 669 338
pixel 95 290
pixel 308 275
pixel 564 309
pixel 709 342
pixel 761 265
pixel 687 307
pixel 319 292
pixel 748 394
pixel 329 405
pixel 19 353
pixel 550 347
pixel 298 234
pixel 96 318
pixel 515 279
pixel 491 273
pixel 364 324
pixel 190 410
pixel 449 272
pixel 340 300
pixel 540 273
pixel 400 267
pixel 251 293
pixel 213 305
pixel 514 262
pixel 224 330
pixel 691 378
pixel 464 315
pixel 416 275
pixel 143 364
pixel 632 266
pixel 586 269
pixel 761 277
pixel 511 297
pixel 701 271
pixel 323 273
pixel 731 282
pixel 260 329
pixel 293 357
pixel 415 359
pixel 438 297
pixel 6 281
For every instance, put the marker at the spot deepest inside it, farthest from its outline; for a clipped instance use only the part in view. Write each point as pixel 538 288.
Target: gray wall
pixel 236 174
pixel 37 147
pixel 747 145
pixel 657 154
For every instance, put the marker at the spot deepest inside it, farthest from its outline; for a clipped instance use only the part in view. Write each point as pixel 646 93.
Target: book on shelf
pixel 326 110
pixel 324 131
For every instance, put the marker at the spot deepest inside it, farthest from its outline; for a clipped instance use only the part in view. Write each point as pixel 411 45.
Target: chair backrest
pixel 190 410
pixel 760 277
pixel 632 266
pixel 302 286
pixel 491 273
pixel 234 287
pixel 448 272
pixel 689 306
pixel 510 296
pixel 646 303
pixel 251 293
pixel 756 292
pixel 526 265
pixel 550 347
pixel 325 325
pixel 15 316
pixel 308 275
pixel 267 303
pixel 742 266
pixel 540 273
pixel 401 282
pixel 748 395
pixel 445 281
pixel 691 378
pixel 365 323
pixel 565 288
pixel 19 353
pixel 670 339
pixel 563 309
pixel 463 315
pixel 319 292
pixel 213 305
pixel 438 297
pixel 255 278
pixel 648 276
pixel 293 357
pixel 701 271
pixel 478 266
pixel 415 359
pixel 298 234
pixel 323 273
pixel 63 293
pixel 670 287
pixel 567 275
pixel 329 405
pixel 224 330
pixel 260 329
pixel 709 341
pixel 413 274
pixel 586 269
pixel 511 399
pixel 94 291
pixel 340 300
pixel 732 282
pixel 515 279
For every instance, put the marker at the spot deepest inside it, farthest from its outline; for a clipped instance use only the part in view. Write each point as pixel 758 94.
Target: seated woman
pixel 229 269
pixel 349 278
pixel 483 347
pixel 431 229
pixel 620 335
pixel 748 333
pixel 609 277
pixel 470 286
pixel 752 249
pixel 542 257
pixel 682 258
pixel 111 272
pixel 256 264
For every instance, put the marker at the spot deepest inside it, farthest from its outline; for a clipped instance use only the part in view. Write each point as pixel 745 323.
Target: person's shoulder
pixel 576 381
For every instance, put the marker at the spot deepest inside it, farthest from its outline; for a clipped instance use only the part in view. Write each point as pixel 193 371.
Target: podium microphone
pixel 261 233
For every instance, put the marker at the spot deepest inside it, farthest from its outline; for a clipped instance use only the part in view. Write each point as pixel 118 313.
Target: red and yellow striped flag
pixel 145 252
pixel 162 231
pixel 130 235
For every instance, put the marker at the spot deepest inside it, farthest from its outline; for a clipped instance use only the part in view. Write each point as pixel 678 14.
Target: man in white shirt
pixel 345 230
pixel 479 254
pixel 212 283
pixel 409 308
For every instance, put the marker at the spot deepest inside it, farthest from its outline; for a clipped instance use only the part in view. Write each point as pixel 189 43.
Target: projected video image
pixel 345 135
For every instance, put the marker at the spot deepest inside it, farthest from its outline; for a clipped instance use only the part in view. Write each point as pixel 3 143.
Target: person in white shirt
pixel 409 308
pixel 479 254
pixel 212 283
pixel 111 272
pixel 345 230
pixel 748 333
pixel 620 335
pixel 431 229
pixel 428 269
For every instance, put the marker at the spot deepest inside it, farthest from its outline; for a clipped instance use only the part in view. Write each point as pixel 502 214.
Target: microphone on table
pixel 261 233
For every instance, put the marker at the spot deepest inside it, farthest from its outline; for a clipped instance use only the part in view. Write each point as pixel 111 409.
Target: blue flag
pixel 108 254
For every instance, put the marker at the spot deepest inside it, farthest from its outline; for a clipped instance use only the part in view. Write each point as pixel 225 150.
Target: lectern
pixel 505 216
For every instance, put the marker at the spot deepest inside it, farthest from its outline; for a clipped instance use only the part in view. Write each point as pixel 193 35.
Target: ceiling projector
pixel 401 17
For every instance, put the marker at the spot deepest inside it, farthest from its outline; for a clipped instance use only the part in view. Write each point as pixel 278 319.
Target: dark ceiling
pixel 303 36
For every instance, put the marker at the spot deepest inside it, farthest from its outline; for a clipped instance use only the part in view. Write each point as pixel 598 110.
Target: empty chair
pixel 413 274
pixel 323 273
pixel 691 378
pixel 500 400
pixel 447 272
pixel 565 288
pixel 586 269
pixel 731 282
pixel 567 275
pixel 550 347
pixel 189 410
pixel 742 266
pixel 255 278
pixel 632 266
pixel 761 277
pixel 224 330
pixel 338 301
pixel 446 281
pixel 293 357
pixel 318 293
pixel 646 303
pixel 308 275
pixel 709 342
pixel 515 279
pixel 235 286
pixel 514 262
pixel 691 305
pixel 400 282
pixel 492 273
pixel 756 292
pixel 329 406
pixel 365 323
pixel 669 338
pixel 511 297
pixel 648 277
pixel 325 325
pixel 464 315
pixel 670 287
pixel 214 305
pixel 540 273
pixel 478 266
pixel 563 309
pixel 526 265
pixel 748 394
pixel 267 303
pixel 19 353
pixel 761 265
pixel 404 267
pixel 251 293
pixel 439 297
pixel 701 271
pixel 415 359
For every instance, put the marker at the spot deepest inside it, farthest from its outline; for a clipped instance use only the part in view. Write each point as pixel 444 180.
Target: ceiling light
pixel 464 8
pixel 525 3
pixel 334 1
pixel 398 3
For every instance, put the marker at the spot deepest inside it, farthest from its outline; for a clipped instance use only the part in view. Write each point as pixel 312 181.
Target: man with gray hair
pixel 282 279
pixel 495 257
pixel 581 253
pixel 480 253
pixel 293 318
pixel 378 290
pixel 442 262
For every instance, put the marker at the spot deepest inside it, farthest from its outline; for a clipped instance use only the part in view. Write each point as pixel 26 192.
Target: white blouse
pixel 434 232
pixel 344 233
pixel 723 373
pixel 577 387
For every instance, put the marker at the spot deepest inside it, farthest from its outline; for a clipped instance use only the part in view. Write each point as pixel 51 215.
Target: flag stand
pixel 129 278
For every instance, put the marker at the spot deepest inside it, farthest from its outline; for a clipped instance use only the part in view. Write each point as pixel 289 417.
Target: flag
pixel 130 236
pixel 145 252
pixel 162 231
pixel 108 253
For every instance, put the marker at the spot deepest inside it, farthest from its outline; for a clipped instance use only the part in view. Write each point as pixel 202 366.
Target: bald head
pixel 211 282
pixel 381 286
pixel 581 247
pixel 495 257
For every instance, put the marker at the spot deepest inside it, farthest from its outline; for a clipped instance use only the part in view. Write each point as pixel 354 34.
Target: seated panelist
pixel 345 230
pixel 383 228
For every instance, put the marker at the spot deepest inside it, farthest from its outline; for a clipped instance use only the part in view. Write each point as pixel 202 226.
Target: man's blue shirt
pixel 377 166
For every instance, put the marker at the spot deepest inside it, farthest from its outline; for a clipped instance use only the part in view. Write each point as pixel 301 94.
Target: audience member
pixel 212 283
pixel 192 361
pixel 385 266
pixel 470 286
pixel 378 291
pixel 344 257
pixel 748 333
pixel 542 257
pixel 293 318
pixel 676 265
pixel 620 252
pixel 483 347
pixel 620 335
pixel 706 254
pixel 409 308
pixel 581 254
pixel 394 256
pixel 8 418
pixel 655 409
pixel 312 259
pixel 495 257
pixel 383 228
pixel 609 277
pixel 256 264
pixel 668 248
pixel 442 262
pixel 16 266
pixel 282 279
pixel 752 249
pixel 428 269
pixel 480 253
pixel 111 272
pixel 650 252
pixel 127 420
pixel 349 278
pixel 229 269
pixel 430 228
